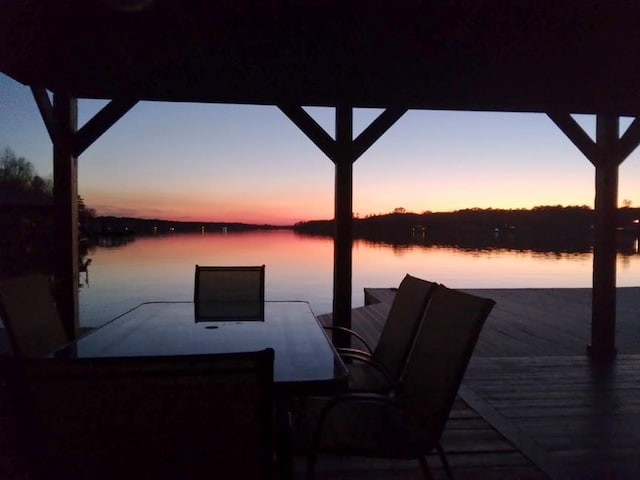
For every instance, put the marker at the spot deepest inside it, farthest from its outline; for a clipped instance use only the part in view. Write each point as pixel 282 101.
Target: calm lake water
pixel 300 267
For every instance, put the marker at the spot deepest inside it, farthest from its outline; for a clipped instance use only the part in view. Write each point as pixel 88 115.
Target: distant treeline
pixel 123 226
pixel 557 227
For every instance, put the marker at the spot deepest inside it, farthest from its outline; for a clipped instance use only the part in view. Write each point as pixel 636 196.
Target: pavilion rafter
pixel 100 123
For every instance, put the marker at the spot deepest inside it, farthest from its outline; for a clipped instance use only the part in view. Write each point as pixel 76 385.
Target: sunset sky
pixel 252 164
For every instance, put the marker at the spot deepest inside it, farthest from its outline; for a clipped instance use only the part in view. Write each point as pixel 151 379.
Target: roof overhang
pixel 550 55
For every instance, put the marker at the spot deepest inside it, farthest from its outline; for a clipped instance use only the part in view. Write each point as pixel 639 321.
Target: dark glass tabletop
pixel 305 359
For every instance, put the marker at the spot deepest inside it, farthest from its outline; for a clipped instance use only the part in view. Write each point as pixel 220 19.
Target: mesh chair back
pixel 229 292
pixel 402 323
pixel 440 354
pixel 148 417
pixel 30 316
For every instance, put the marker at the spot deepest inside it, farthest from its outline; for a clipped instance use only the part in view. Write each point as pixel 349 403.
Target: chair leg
pixel 445 463
pixel 426 471
pixel 311 464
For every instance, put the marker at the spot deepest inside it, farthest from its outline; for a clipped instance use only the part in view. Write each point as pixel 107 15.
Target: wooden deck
pixel 531 382
pixel 532 405
pixel 573 419
pixel 531 321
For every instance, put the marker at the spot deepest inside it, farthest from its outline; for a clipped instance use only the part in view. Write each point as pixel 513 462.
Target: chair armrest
pixel 389 399
pixel 353 333
pixel 360 356
pixel 354 351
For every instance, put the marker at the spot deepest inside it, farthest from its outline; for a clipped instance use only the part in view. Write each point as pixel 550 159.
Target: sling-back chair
pixel 195 417
pixel 30 316
pixel 408 422
pixel 223 292
pixel 378 369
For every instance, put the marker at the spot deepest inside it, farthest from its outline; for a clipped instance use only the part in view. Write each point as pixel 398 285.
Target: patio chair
pixel 409 422
pixel 30 316
pixel 378 369
pixel 223 292
pixel 195 417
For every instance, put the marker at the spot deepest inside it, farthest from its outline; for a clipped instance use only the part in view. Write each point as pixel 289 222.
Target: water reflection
pixel 300 267
pixel 503 240
pixel 89 245
pixel 496 240
pixel 110 241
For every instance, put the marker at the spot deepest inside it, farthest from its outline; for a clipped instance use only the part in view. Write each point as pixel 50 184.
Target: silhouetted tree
pixel 42 185
pixel 15 171
pixel 86 218
pixel 19 173
pixel 26 217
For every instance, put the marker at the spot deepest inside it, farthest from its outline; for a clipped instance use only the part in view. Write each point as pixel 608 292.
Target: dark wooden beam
pixel 100 123
pixel 375 130
pixel 310 128
pixel 61 121
pixel 43 103
pixel 575 133
pixel 343 151
pixel 343 235
pixel 603 309
pixel 65 193
pixel 629 141
pixel 90 131
pixel 606 153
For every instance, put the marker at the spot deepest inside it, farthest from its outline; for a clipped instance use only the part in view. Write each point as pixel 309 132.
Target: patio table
pixel 306 363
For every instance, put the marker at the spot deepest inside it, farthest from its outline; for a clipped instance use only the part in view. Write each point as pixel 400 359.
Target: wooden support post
pixel 343 235
pixel 603 309
pixel 61 120
pixel 65 193
pixel 343 151
pixel 606 153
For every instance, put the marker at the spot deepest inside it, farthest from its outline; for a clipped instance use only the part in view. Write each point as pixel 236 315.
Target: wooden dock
pixel 531 383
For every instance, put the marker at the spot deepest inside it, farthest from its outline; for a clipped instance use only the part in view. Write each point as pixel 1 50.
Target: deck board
pixel 586 420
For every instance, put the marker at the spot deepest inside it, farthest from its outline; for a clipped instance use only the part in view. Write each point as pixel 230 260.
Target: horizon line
pixel 287 225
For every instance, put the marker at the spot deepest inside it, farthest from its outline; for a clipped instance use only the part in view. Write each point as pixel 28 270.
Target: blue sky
pixel 250 163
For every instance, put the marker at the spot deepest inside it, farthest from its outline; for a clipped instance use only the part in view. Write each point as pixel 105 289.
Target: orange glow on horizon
pixel 285 215
pixel 268 212
pixel 279 205
pixel 254 218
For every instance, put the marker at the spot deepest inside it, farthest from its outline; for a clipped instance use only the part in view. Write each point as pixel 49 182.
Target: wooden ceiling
pixel 494 55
